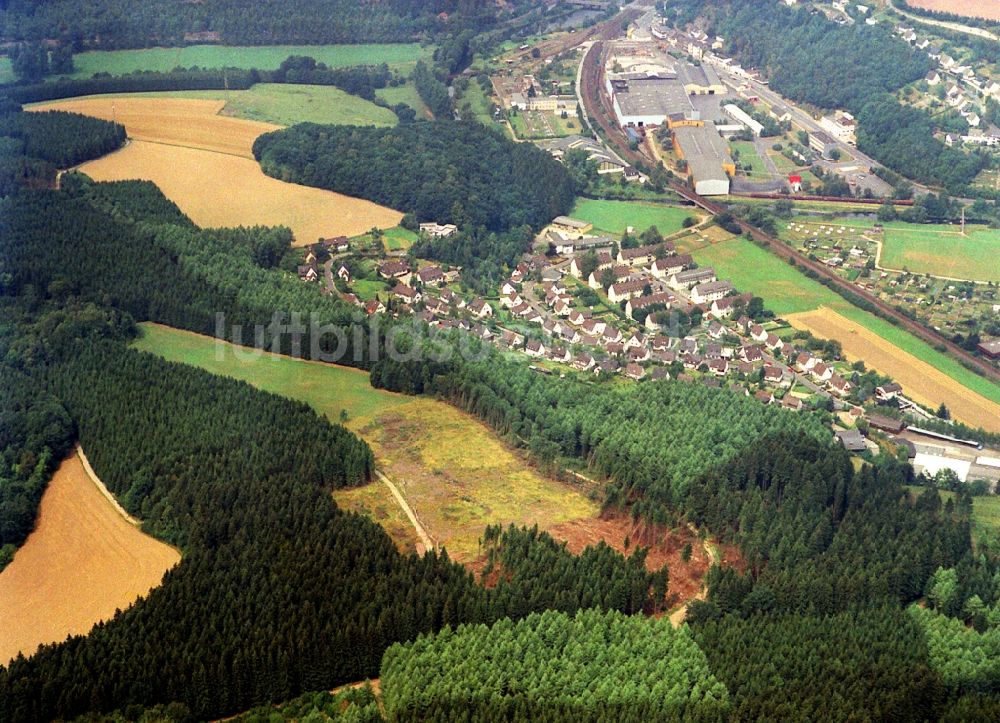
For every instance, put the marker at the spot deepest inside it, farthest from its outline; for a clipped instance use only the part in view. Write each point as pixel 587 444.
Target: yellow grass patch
pixel 921 382
pixel 83 561
pixel 459 477
pixel 204 163
pixel 376 501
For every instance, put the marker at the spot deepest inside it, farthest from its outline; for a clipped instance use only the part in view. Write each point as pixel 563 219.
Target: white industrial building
pixel 742 117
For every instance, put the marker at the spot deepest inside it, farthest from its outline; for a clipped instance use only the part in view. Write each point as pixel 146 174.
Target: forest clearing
pixel 204 163
pixel 455 473
pixel 920 380
pixel 83 561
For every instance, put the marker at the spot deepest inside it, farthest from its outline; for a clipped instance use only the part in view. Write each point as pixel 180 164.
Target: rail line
pixel 595 105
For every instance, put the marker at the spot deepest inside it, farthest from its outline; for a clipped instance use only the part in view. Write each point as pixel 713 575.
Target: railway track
pixel 596 106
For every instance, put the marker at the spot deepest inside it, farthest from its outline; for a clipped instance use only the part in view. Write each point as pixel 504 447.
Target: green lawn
pixel 479 101
pixel 367 289
pixel 398 238
pixel 942 250
pixel 748 154
pixel 6 74
pixel 326 387
pixel 264 57
pixel 406 94
pixel 786 290
pixel 613 217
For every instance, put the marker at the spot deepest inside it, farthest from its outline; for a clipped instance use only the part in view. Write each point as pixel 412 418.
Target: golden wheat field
pixel 204 163
pixel 989 9
pixel 83 561
pixel 920 380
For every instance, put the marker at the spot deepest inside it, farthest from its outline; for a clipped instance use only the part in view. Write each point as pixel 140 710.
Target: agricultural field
pixel 921 381
pixel 82 562
pixel 988 9
pixel 454 472
pixel 613 217
pixel 408 95
pixel 884 347
pixel 203 162
pixel 264 57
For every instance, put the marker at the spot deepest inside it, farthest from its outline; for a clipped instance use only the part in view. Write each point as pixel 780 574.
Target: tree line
pixel 34 145
pixel 445 171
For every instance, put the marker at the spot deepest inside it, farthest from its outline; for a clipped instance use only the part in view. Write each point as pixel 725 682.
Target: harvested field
pixel 83 561
pixel 203 162
pixel 920 380
pixel 989 9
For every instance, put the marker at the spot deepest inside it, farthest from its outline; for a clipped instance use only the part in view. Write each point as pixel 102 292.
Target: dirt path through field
pixel 83 561
pixel 421 532
pixel 921 381
pixel 204 163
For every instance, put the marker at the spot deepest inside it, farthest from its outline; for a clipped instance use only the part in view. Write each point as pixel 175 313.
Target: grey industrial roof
pixel 704 150
pixel 653 96
pixel 698 74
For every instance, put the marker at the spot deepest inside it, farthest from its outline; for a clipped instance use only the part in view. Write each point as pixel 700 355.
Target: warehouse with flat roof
pixel 707 154
pixel 648 101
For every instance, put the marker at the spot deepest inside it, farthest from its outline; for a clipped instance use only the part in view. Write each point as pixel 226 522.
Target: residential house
pixel 716 330
pixel 667 266
pixel 583 361
pixel 642 255
pixel 437 230
pixel 626 290
pixel 887 392
pixel 404 292
pixel 718 367
pixel 764 396
pixel 710 291
pixel 773 343
pixel 687 279
pixel 395 269
pixel 660 300
pixel 534 348
pixel 511 300
pixel 840 386
pixel 337 244
pixel 773 374
pixel 344 273
pixel 634 371
pixel 508 288
pixel 374 307
pixel 480 309
pixel 792 403
pixel 308 272
pixel 758 333
pixel 431 276
pixel 822 372
pixel 751 354
pixel 560 354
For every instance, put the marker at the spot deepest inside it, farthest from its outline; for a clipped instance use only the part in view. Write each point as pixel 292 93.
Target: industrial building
pixel 743 118
pixel 647 101
pixel 707 154
pixel 700 79
pixel 823 143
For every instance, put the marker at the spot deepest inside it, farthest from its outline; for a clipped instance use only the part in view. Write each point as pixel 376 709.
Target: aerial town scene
pixel 461 360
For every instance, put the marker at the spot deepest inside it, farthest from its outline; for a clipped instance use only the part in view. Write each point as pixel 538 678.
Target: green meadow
pixel 263 57
pixel 326 387
pixel 786 290
pixel 613 217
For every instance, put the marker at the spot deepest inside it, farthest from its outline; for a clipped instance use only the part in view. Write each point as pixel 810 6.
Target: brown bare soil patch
pixel 920 380
pixel 204 163
pixel 989 9
pixel 665 548
pixel 82 562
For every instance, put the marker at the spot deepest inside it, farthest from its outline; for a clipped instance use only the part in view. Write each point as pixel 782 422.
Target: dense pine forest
pixel 111 24
pixel 810 59
pixel 445 171
pixel 590 667
pixel 34 145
